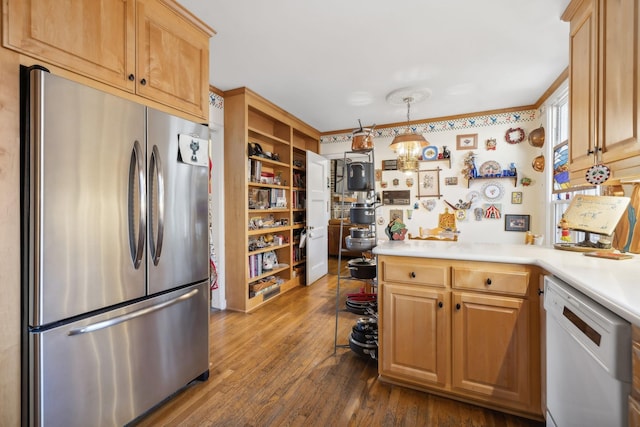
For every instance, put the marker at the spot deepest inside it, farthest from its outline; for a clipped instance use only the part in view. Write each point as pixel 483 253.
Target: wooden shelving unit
pixel 265 199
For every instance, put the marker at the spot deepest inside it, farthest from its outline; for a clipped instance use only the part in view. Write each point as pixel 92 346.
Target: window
pixel 561 190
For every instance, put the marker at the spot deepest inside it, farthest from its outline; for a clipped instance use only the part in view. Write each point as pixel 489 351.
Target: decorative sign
pixel 390 165
pixel 400 197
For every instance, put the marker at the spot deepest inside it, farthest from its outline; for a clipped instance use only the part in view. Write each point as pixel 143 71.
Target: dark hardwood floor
pixel 277 367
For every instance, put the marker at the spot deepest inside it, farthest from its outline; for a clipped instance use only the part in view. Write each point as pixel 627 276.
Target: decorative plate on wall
pixel 430 152
pixel 597 174
pixel 492 191
pixel 490 167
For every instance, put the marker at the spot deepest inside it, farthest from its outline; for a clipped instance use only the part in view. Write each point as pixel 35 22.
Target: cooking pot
pixel 361 307
pixel 366 324
pixel 536 137
pixel 364 337
pixel 361 268
pixel 360 176
pixel 362 213
pixel 362 139
pixel 363 349
pixel 358 232
pixel 359 243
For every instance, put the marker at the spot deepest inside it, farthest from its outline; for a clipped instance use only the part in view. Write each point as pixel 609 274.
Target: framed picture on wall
pixel 516 197
pixel 467 142
pixel 516 222
pixel 429 183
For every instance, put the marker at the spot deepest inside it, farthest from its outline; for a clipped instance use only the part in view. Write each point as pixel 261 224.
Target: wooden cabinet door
pixel 582 90
pixel 414 334
pixel 173 59
pixel 94 38
pixel 619 90
pixel 490 347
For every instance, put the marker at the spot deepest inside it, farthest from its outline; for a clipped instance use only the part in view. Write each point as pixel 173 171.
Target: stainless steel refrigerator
pixel 115 254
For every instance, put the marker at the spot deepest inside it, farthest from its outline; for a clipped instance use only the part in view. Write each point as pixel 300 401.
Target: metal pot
pixel 363 349
pixel 362 139
pixel 361 268
pixel 366 324
pixel 362 213
pixel 359 243
pixel 357 232
pixel 536 137
pixel 360 176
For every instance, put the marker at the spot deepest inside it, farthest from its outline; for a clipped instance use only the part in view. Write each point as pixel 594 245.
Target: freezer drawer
pixel 111 368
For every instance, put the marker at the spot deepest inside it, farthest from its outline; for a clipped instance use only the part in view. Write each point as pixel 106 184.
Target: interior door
pixel 317 216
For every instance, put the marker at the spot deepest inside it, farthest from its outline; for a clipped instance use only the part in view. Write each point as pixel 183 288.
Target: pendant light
pixel 408 145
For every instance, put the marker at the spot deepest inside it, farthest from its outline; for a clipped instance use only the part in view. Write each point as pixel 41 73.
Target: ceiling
pixel 333 62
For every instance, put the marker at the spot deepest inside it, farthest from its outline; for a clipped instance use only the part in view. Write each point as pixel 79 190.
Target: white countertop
pixel 613 283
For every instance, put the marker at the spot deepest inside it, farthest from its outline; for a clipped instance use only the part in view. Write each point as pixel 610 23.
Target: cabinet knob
pixel 143 82
pixel 440 304
pixel 131 77
pixel 413 275
pixel 540 291
pixel 457 306
pixel 488 281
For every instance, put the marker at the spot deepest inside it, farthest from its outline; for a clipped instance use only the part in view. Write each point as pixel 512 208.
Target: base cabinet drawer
pixel 415 271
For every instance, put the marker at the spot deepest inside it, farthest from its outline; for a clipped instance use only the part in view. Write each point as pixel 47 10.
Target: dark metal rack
pixel 372 283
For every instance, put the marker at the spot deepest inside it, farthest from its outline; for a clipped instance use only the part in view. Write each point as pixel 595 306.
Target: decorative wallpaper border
pixel 446 125
pixel 216 101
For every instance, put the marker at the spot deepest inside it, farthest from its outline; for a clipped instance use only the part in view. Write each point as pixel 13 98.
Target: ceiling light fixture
pixel 408 145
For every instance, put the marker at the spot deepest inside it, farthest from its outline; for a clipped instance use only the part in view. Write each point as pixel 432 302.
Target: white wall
pixel 216 197
pixel 444 133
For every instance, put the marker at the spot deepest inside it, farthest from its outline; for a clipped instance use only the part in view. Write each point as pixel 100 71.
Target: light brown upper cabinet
pixel 153 48
pixel 604 86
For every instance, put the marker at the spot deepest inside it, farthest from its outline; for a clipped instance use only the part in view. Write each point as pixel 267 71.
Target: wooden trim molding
pixel 554 86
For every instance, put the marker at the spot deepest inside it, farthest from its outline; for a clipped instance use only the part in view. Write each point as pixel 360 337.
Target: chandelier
pixel 408 145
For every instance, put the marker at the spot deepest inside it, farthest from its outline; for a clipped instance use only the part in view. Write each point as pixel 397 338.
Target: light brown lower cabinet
pixel 464 330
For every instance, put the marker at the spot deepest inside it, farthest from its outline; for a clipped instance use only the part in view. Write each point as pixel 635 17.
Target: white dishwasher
pixel 588 360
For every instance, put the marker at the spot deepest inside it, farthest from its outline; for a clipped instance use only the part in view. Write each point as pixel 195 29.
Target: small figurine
pixel 445 152
pixel 565 235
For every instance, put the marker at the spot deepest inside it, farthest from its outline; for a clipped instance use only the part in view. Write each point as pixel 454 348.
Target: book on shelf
pixel 299 199
pixel 255 170
pixel 267 177
pixel 298 179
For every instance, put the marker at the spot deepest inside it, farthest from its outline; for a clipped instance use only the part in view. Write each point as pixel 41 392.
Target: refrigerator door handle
pixel 126 317
pixel 136 173
pixel 155 243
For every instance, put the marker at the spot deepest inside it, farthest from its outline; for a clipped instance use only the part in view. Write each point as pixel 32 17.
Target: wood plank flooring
pixel 277 367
